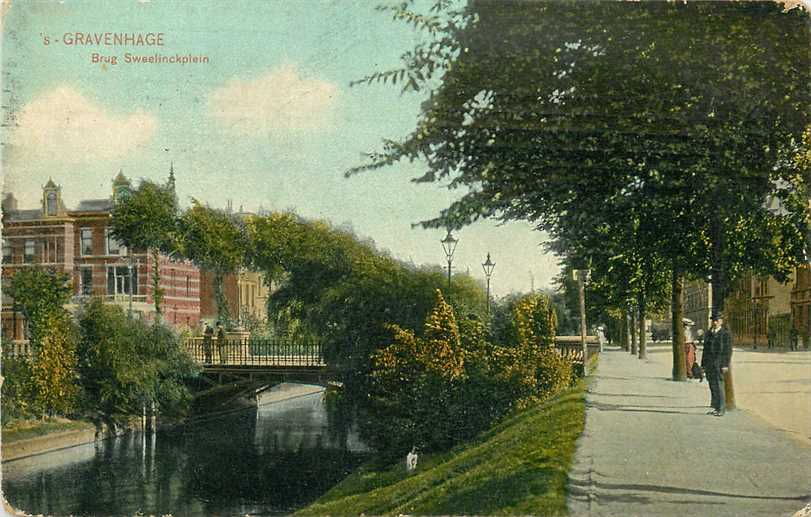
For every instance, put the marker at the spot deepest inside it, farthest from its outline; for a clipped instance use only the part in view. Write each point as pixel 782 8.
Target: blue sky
pixel 269 121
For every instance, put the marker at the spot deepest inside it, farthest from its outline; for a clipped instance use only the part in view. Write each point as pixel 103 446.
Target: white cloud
pixel 64 126
pixel 280 100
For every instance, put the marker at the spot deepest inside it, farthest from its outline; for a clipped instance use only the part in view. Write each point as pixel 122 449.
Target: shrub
pixel 526 320
pixel 125 363
pixel 53 368
pixel 16 392
pixel 449 384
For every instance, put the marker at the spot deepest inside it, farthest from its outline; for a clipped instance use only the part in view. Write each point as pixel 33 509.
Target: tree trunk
pixel 624 329
pixel 677 314
pixel 223 312
pixel 157 291
pixel 634 321
pixel 719 270
pixel 643 349
pixel 582 294
pixel 729 389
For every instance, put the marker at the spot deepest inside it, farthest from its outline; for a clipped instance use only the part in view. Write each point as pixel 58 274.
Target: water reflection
pixel 267 461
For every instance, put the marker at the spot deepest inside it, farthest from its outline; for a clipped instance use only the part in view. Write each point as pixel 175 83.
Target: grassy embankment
pixel 518 467
pixel 25 429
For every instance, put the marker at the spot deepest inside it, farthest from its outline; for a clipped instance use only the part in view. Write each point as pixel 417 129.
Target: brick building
pixel 78 242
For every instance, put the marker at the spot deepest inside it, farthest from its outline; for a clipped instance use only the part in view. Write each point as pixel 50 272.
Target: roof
pixel 95 205
pixel 25 215
pixel 50 184
pixel 120 179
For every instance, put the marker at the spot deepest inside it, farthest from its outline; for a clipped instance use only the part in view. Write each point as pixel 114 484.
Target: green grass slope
pixel 519 467
pixel 33 428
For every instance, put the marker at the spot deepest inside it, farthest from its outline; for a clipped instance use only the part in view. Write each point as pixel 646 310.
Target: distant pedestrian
pixel 794 339
pixel 208 335
pixel 221 342
pixel 601 336
pixel 715 361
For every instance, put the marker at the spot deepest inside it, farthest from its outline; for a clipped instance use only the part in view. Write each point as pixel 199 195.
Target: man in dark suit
pixel 715 362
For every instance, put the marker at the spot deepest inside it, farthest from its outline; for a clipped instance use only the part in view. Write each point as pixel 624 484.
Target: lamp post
pixel 488 267
pixel 449 245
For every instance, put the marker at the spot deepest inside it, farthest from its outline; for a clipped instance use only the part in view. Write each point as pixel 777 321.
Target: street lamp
pixel 488 266
pixel 449 245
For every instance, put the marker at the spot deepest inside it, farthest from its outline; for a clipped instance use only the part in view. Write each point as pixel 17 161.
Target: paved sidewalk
pixel 649 449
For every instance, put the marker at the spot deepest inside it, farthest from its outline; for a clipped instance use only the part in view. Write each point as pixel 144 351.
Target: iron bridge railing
pixel 255 352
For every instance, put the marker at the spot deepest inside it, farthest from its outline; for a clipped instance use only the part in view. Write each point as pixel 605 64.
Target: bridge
pixel 260 358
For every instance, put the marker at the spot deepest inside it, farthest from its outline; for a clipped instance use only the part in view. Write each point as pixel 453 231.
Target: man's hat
pixel 717 316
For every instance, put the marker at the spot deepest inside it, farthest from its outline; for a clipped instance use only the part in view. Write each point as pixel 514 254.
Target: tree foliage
pixel 147 220
pixel 640 151
pixel 448 383
pixel 215 240
pixel 37 294
pixel 54 386
pixel 125 364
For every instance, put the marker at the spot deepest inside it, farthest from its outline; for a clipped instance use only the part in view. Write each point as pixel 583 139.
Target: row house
pixel 79 243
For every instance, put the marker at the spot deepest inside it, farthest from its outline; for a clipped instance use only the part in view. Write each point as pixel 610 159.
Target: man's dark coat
pixel 717 350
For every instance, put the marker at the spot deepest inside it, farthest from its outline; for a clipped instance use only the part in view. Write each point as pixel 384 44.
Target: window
pixel 6 251
pixel 52 203
pixel 113 246
pixel 87 281
pixel 86 241
pixel 30 250
pixel 119 281
pixel 188 286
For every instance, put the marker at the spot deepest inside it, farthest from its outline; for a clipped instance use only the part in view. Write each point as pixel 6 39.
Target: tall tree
pixel 215 240
pixel 553 111
pixel 147 220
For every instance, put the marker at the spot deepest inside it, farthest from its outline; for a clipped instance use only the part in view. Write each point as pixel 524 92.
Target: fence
pixel 15 349
pixel 255 352
pixel 572 347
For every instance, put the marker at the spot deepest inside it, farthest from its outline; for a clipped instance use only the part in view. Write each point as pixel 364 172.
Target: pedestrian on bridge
pixel 715 361
pixel 208 335
pixel 221 342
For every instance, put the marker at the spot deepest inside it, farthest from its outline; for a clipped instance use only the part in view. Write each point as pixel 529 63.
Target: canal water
pixel 269 460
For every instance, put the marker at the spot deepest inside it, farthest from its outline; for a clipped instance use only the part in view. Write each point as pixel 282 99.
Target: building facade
pixel 698 304
pixel 79 243
pixel 801 304
pixel 759 311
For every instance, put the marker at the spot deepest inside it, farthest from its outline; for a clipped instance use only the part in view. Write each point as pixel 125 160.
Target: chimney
pixel 9 203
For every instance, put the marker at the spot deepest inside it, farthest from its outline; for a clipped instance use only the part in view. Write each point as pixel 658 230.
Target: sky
pixel 268 121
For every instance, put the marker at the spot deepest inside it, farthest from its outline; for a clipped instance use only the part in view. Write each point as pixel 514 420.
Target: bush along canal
pixel 269 460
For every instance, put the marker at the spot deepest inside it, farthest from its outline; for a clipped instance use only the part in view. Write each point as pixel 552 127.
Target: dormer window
pixel 52 203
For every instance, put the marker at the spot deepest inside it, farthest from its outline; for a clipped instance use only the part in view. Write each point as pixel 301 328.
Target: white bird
pixel 411 460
